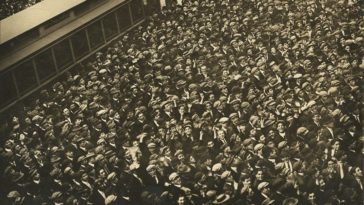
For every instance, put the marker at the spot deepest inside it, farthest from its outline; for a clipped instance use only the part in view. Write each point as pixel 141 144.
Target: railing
pixel 15 38
pixel 89 34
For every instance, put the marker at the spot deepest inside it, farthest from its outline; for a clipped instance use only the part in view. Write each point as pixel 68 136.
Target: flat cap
pixel 172 176
pixel 302 131
pixel 152 145
pixel 223 119
pixel 262 185
pixel 216 167
pixel 258 146
pixel 13 194
pixel 150 167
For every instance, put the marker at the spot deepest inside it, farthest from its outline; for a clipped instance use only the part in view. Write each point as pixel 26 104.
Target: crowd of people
pixel 210 102
pixel 10 7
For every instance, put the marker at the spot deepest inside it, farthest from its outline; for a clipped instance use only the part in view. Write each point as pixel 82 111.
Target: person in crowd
pixel 209 102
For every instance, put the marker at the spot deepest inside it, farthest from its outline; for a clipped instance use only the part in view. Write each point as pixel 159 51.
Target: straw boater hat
pixel 221 199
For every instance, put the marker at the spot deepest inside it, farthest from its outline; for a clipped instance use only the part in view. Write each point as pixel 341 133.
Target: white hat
pixel 102 71
pixel 258 146
pixel 221 199
pixel 150 167
pixel 112 175
pixel 110 199
pixel 173 176
pixel 302 130
pixel 101 112
pixel 225 174
pixel 262 185
pixel 223 119
pixel 216 167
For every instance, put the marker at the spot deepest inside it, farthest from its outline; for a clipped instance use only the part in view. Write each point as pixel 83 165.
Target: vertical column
pixel 143 7
pixel 71 47
pixel 88 40
pixel 54 60
pixel 35 71
pixel 131 15
pixel 117 21
pixel 15 84
pixel 103 29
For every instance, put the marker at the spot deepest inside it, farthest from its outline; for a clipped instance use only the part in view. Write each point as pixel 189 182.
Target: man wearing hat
pixel 148 149
pixel 315 123
pixel 226 125
pixel 167 113
pixel 182 112
pixel 36 186
pixel 280 72
pixel 153 176
pixel 17 199
pixel 220 138
pixel 175 187
pixel 303 134
pixel 138 124
pixel 264 195
pixel 235 125
pixel 188 138
pixel 282 133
